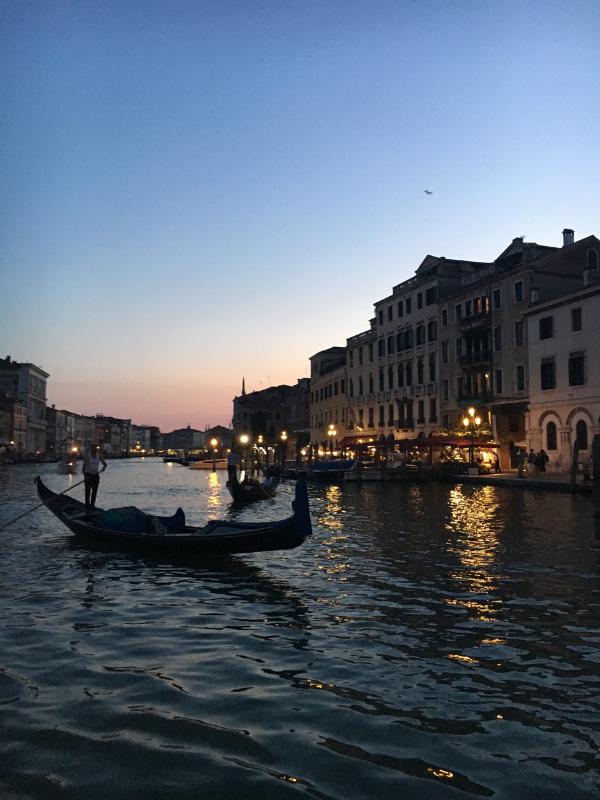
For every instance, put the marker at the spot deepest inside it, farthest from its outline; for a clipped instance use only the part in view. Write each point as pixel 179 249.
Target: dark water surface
pixel 427 642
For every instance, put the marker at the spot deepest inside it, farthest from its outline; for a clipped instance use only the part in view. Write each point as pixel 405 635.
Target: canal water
pixel 429 641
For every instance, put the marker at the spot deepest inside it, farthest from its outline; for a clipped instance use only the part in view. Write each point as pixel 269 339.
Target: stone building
pixel 564 373
pixel 13 426
pixel 27 383
pixel 186 440
pixel 483 335
pixel 271 412
pixel 113 435
pixel 328 398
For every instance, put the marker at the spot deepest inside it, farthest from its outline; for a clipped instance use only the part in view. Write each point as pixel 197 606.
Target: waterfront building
pixel 27 383
pixel 564 370
pixel 278 414
pixel 113 435
pixel 328 402
pixel 60 432
pixel 13 426
pixel 393 368
pixel 185 440
pixel 223 435
pixel 483 336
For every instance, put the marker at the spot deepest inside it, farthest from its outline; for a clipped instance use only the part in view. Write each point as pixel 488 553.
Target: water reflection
pixel 475 523
pixel 214 501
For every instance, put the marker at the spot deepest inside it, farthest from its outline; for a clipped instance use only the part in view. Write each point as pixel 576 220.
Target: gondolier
pixel 232 464
pixel 91 475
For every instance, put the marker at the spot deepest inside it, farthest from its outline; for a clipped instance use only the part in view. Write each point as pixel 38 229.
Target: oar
pixel 44 503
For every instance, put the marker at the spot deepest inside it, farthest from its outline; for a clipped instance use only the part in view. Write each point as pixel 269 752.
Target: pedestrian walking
pixel 531 459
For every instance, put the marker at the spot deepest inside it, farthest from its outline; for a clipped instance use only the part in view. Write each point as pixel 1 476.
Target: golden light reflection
pixel 475 523
pixel 214 488
pixel 462 659
pixel 332 514
pixel 440 773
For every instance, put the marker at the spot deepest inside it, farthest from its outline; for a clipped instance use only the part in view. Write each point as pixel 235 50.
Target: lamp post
pixel 471 423
pixel 213 444
pixel 259 442
pixel 244 439
pixel 283 438
pixel 332 433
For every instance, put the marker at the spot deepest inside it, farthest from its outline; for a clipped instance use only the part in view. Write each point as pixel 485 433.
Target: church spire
pixel 243 387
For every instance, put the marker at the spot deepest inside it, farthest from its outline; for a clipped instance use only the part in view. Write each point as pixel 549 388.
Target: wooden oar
pixel 44 503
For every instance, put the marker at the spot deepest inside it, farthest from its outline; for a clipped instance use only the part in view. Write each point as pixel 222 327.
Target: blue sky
pixel 193 192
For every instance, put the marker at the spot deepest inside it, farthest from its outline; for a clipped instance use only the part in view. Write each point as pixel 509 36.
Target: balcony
pixel 476 321
pixel 475 358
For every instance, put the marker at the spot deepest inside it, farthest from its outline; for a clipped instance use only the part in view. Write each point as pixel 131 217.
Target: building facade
pixel 327 399
pixel 564 375
pixel 27 383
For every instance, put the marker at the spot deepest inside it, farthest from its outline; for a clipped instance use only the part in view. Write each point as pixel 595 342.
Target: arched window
pixel 592 259
pixel 551 436
pixel 581 433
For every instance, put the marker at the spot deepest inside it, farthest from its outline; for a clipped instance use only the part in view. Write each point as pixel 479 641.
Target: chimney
pixel 568 236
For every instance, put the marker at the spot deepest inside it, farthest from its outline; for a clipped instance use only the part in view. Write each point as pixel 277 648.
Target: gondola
pixel 249 491
pixel 130 528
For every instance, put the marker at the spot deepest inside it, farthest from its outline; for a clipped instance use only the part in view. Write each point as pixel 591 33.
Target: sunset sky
pixel 193 192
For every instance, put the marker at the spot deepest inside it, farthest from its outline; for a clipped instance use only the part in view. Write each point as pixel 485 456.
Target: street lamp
pixel 332 433
pixel 283 438
pixel 471 423
pixel 244 439
pixel 213 444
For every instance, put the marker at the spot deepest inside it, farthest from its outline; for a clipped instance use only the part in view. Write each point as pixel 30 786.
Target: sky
pixel 193 192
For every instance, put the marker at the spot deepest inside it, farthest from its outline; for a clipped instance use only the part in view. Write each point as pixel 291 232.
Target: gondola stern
pixel 301 509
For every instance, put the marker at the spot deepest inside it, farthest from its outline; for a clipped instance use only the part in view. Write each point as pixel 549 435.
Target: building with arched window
pixel 564 375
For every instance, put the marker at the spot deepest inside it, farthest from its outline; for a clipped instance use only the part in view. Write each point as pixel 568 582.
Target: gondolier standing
pixel 232 464
pixel 91 475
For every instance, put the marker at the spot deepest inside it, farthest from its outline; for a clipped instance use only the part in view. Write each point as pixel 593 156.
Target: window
pixel 361 389
pixel 371 418
pixel 498 381
pixel 391 415
pixel 351 388
pixel 381 384
pixel 446 422
pixel 459 387
pixel 467 308
pixel 519 334
pixel 390 377
pixel 513 423
pixel 420 371
pixel 419 299
pixel 390 313
pixel 444 352
pixel 444 390
pixel 546 327
pixel 497 298
pixel 432 369
pixel 497 338
pixel 581 433
pixel 576 369
pixel 458 312
pixel 380 316
pixel 400 308
pixel 430 296
pixel 409 373
pixel 551 436
pixel 342 387
pixel 360 356
pixel 361 418
pixel 518 291
pixel 421 411
pixel 336 387
pixel 381 348
pixel 432 410
pixel 371 385
pixel 576 319
pixel 351 358
pixel 520 378
pixel 459 348
pixel 421 334
pixel 400 375
pixel 432 331
pixel 390 344
pixel 444 317
pixel 371 351
pixel 548 373
pixel 592 259
pixel 408 305
pixel 381 416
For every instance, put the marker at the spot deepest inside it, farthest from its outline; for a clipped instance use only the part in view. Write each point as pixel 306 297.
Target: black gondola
pixel 249 491
pixel 129 528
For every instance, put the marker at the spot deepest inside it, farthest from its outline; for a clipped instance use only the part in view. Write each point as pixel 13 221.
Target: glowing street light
pixel 471 424
pixel 213 443
pixel 332 433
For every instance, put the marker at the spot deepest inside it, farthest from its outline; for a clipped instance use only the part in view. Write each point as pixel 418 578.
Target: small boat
pixel 130 528
pixel 249 490
pixel 67 466
pixel 207 463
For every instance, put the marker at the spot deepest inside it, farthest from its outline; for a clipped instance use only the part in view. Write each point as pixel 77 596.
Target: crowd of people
pixel 532 463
